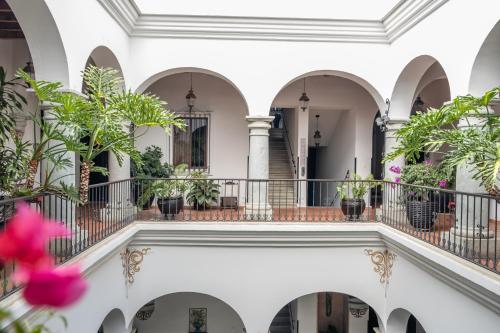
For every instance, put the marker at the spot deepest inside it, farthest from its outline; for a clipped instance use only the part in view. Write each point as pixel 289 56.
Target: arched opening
pixel 16 54
pixel 114 322
pixel 325 312
pixel 401 320
pixel 187 312
pixel 414 81
pixel 329 137
pixel 214 118
pixel 101 56
pixel 486 69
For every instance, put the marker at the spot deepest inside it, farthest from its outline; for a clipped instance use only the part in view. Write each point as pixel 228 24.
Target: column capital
pixel 259 125
pixel 259 121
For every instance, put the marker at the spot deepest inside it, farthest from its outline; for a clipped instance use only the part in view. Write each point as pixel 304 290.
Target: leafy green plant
pixel 151 164
pixel 165 188
pixel 10 102
pixel 427 174
pixel 202 192
pixel 102 117
pixel 356 189
pixel 477 145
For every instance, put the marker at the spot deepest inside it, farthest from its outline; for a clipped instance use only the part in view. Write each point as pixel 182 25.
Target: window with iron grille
pixel 191 145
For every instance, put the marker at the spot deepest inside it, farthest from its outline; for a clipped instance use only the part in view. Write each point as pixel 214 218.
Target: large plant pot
pixel 442 201
pixel 137 193
pixel 421 214
pixel 353 208
pixel 170 206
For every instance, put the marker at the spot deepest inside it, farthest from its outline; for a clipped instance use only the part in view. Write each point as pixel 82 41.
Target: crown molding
pixel 407 14
pixel 400 19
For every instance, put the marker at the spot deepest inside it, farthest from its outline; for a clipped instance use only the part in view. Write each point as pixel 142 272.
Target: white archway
pixel 486 69
pixel 103 56
pixel 398 321
pixel 377 97
pixel 172 312
pixel 43 38
pixel 156 77
pixel 413 79
pixel 114 322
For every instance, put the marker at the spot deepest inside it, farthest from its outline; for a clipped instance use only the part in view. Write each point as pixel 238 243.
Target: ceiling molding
pixel 400 19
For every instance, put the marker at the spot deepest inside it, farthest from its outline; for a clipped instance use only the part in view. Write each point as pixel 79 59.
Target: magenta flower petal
pixel 397 180
pixel 55 288
pixel 443 183
pixel 26 236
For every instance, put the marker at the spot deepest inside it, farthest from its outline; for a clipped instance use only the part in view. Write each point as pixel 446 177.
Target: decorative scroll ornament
pixel 358 313
pixel 383 261
pixel 131 261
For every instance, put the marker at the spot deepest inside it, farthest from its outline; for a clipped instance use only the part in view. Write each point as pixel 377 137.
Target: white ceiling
pixel 328 9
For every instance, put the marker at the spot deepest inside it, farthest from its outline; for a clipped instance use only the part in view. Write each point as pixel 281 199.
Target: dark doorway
pixel 378 143
pixel 102 160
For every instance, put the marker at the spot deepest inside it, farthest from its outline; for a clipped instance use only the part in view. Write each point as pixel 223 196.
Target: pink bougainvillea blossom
pixel 395 169
pixel 397 180
pixel 26 236
pixel 443 183
pixel 54 287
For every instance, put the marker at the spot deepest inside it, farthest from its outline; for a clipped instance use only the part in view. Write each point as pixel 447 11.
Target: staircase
pixel 281 323
pixel 281 194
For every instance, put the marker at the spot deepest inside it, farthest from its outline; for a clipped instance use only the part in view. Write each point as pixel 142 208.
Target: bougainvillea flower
pixel 397 180
pixel 26 236
pixel 395 169
pixel 54 287
pixel 443 183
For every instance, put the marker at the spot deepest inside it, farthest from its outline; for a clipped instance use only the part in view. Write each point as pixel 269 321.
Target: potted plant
pixel 474 145
pixel 352 196
pixel 202 192
pixel 169 192
pixel 150 168
pixel 422 203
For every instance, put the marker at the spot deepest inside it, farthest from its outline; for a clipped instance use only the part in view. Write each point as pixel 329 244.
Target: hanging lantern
pixel 191 97
pixel 317 134
pixel 304 100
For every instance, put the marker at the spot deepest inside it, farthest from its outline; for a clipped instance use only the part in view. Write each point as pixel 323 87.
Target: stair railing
pixel 290 150
pixel 290 316
pixel 347 176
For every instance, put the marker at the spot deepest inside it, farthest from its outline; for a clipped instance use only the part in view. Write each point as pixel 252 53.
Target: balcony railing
pixel 464 224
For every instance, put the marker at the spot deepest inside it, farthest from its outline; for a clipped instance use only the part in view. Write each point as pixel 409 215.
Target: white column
pixel 62 209
pixel 66 174
pixel 120 203
pixel 390 200
pixel 302 153
pixel 257 206
pixel 358 316
pixel 390 145
pixel 472 213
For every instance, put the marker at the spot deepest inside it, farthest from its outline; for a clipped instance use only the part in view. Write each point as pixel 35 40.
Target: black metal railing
pixel 464 224
pixel 109 209
pixel 253 200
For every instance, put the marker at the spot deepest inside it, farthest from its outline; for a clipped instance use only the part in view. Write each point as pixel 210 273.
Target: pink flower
pixel 395 169
pixel 26 236
pixel 442 183
pixel 54 287
pixel 397 180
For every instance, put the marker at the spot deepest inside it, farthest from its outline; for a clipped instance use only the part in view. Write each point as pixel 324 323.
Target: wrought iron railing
pixel 464 224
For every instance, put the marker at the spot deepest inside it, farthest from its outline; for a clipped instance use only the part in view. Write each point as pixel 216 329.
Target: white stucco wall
pixel 171 315
pixel 228 128
pixel 238 265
